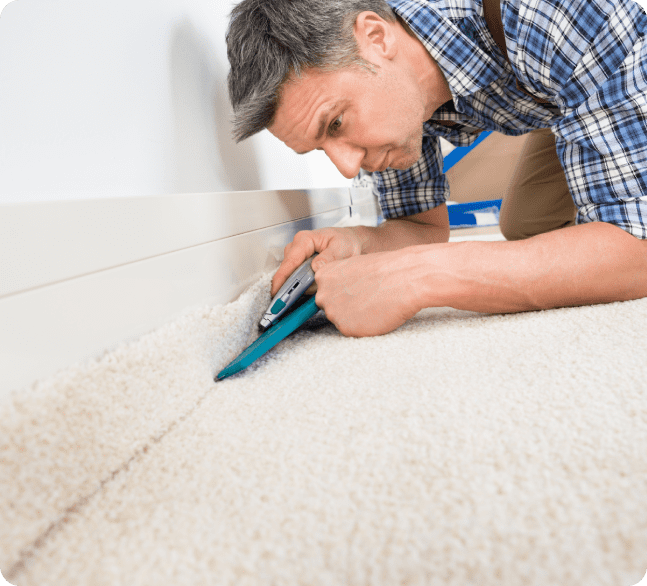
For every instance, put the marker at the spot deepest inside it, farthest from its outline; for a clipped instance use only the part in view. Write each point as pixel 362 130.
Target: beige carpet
pixel 461 449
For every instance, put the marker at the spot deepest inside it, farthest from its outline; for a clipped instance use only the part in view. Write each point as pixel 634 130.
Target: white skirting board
pixel 79 277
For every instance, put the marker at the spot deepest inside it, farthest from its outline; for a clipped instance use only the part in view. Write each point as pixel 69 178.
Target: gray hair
pixel 270 42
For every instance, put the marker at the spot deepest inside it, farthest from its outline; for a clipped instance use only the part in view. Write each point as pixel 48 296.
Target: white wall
pixel 108 98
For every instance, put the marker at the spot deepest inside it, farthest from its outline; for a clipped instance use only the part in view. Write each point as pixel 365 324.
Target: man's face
pixel 359 119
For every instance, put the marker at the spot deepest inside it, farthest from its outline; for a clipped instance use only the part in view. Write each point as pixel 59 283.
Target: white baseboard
pixel 81 277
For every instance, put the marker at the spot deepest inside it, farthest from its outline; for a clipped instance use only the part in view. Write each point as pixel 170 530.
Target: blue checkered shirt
pixel 587 58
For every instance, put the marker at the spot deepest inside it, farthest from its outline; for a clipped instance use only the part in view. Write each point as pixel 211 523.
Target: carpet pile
pixel 461 449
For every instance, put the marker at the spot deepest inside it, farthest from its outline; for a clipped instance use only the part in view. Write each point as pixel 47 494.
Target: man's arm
pixel 427 227
pixel 580 265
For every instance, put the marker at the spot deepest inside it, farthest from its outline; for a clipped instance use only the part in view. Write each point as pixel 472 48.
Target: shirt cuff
pixel 414 199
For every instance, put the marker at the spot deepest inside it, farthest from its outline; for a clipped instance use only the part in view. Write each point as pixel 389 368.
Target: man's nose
pixel 348 159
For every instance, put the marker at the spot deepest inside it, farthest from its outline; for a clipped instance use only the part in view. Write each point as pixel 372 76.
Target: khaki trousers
pixel 537 199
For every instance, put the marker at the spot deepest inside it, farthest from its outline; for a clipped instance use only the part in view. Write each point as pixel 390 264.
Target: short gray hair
pixel 272 41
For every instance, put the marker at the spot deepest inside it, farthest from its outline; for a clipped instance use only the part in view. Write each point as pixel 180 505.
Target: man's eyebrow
pixel 322 125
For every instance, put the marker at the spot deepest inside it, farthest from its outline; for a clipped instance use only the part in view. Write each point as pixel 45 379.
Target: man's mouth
pixel 378 168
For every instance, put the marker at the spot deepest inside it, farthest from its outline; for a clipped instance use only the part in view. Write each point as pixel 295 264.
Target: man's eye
pixel 335 125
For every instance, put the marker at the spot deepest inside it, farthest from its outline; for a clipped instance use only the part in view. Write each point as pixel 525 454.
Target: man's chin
pixel 401 166
pixel 405 162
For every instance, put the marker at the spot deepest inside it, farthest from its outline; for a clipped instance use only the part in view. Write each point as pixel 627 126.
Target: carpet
pixel 462 448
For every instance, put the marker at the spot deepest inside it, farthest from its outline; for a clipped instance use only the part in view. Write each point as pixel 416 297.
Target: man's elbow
pixel 435 222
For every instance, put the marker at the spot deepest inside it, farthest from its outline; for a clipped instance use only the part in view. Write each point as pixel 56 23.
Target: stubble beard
pixel 411 153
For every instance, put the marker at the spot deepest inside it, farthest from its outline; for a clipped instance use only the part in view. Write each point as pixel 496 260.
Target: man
pixel 374 84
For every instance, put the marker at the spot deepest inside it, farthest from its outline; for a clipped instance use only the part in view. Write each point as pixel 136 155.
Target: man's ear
pixel 375 36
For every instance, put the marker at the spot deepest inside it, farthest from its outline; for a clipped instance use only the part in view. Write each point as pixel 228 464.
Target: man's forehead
pixel 309 85
pixel 303 109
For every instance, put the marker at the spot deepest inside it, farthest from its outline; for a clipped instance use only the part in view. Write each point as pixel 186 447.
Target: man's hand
pixel 371 294
pixel 334 244
pixel 331 243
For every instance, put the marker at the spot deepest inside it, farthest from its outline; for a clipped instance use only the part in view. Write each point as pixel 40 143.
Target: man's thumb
pixel 318 262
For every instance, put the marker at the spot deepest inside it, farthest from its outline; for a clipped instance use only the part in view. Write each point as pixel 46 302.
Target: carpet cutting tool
pixel 288 310
pixel 293 288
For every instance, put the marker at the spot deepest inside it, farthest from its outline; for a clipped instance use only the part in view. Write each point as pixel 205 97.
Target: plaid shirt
pixel 587 58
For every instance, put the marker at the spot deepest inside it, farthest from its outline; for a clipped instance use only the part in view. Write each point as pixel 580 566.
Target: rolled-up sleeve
pixel 607 187
pixel 602 145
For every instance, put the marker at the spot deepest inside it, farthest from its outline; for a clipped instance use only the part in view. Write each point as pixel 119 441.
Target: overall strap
pixel 494 21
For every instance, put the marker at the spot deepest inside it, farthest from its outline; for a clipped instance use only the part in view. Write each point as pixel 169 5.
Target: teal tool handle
pixel 271 338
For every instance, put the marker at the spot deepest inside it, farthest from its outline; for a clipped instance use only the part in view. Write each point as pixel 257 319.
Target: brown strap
pixel 494 21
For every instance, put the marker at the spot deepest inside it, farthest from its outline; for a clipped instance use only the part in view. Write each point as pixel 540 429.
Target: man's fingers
pixel 332 244
pixel 300 249
pixel 285 270
pixel 337 250
pixel 321 260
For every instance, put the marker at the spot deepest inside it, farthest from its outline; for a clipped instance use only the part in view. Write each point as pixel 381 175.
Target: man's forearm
pixel 431 227
pixel 580 265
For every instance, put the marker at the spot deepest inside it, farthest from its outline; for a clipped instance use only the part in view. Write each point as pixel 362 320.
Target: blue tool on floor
pixel 289 309
pixel 474 213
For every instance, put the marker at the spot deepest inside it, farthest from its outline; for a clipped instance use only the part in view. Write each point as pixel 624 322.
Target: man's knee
pixel 512 230
pixel 520 230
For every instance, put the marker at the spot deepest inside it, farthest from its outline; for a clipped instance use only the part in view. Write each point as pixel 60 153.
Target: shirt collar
pixel 466 66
